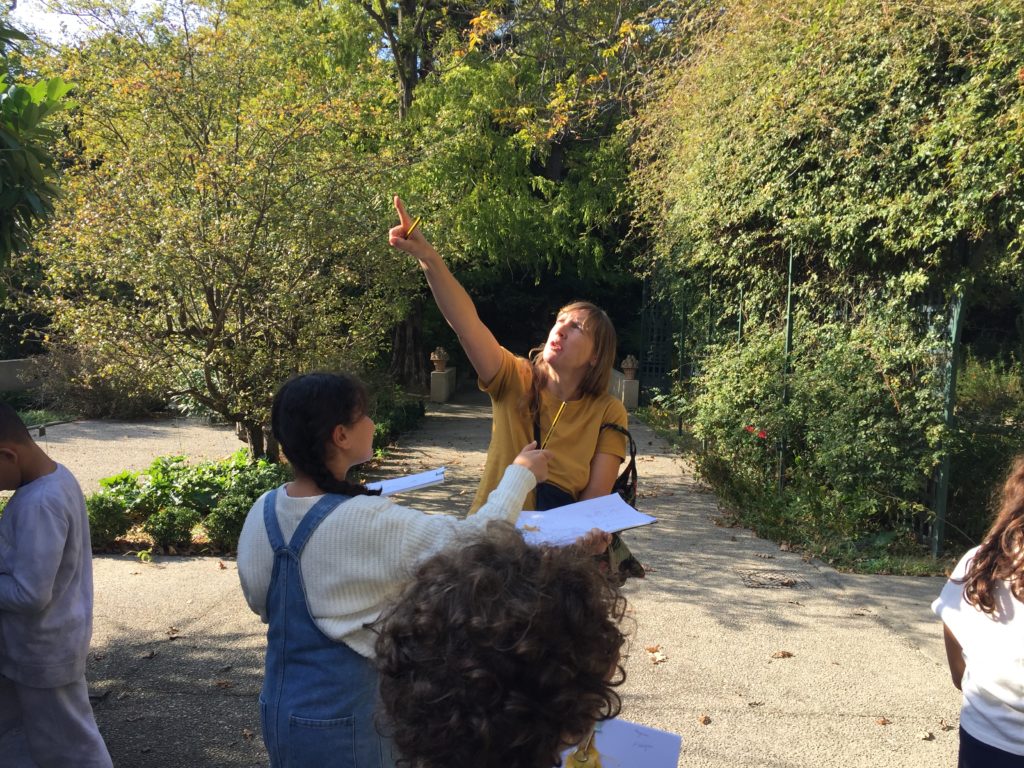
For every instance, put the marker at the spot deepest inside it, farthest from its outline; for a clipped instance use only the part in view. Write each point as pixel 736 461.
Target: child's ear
pixel 339 436
pixel 10 468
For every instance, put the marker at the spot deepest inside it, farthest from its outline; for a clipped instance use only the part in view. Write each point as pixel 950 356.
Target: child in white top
pixel 982 611
pixel 320 558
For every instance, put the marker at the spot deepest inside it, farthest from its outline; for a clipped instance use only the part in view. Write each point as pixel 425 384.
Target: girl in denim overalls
pixel 320 558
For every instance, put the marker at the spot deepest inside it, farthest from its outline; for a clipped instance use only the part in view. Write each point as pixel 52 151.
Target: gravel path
pixel 96 449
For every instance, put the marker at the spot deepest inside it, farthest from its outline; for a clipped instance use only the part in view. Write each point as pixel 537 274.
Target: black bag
pixel 620 561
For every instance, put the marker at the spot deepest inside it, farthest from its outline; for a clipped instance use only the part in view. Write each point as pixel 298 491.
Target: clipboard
pixel 561 526
pixel 409 482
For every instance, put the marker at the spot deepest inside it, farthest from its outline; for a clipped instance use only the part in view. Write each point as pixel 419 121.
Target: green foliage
pixel 171 497
pixel 27 169
pixel 221 229
pixel 990 432
pixel 224 524
pixel 108 519
pixel 861 428
pixel 867 137
pixel 393 413
pixel 172 526
pixel 880 145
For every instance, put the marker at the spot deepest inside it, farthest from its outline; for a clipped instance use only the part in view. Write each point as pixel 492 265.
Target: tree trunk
pixel 256 438
pixel 408 359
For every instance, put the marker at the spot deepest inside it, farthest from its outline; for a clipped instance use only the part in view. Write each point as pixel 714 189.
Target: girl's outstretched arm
pixel 955 657
pixel 455 304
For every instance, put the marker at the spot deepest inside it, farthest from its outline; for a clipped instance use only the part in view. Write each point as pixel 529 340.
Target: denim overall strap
pixel 318 697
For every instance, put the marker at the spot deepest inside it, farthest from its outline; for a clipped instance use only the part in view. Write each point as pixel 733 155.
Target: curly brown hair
pixel 1001 555
pixel 500 654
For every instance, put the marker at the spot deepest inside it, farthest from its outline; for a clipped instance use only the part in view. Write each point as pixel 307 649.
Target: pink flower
pixel 762 434
pixel 749 428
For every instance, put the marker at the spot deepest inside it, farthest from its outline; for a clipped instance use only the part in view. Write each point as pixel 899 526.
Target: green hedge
pixel 863 434
pixel 170 498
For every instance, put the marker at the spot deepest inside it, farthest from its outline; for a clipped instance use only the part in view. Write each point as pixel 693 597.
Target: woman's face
pixel 569 346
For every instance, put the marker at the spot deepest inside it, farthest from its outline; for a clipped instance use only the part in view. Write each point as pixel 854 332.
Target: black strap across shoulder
pixel 625 483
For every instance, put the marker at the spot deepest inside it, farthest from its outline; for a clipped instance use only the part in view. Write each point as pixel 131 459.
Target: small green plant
pixel 108 518
pixel 144 555
pixel 172 526
pixel 249 482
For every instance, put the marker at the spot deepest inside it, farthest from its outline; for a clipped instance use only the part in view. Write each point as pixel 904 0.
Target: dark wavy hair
pixel 499 655
pixel 305 411
pixel 1001 554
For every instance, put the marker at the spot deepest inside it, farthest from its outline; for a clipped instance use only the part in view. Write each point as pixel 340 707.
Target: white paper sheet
pixel 409 482
pixel 563 525
pixel 622 744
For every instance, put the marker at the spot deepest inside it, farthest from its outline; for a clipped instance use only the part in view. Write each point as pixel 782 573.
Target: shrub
pixel 108 518
pixel 393 413
pixel 172 526
pixel 248 483
pixel 990 432
pixel 861 427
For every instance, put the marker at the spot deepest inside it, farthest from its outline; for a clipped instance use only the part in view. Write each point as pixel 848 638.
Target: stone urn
pixel 439 357
pixel 629 367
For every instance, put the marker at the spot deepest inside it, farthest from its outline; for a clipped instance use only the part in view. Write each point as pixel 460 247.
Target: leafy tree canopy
pixel 218 235
pixel 27 169
pixel 867 137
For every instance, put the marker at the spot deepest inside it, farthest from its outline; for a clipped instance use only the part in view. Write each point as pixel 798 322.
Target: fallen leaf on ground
pixel 704 720
pixel 220 564
pixel 247 734
pixel 883 721
pixel 223 683
pixel 782 655
pixel 149 654
pixel 657 657
pixel 755 703
pixel 785 546
pixel 945 726
pixel 99 656
pixel 926 736
pixel 172 633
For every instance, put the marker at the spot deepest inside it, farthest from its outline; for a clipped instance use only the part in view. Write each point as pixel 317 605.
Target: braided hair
pixel 303 416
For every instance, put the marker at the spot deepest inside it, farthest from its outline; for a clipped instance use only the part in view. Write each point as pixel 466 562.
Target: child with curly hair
pixel 319 559
pixel 500 655
pixel 982 611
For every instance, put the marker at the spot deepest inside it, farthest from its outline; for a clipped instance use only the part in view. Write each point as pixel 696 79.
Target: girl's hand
pixel 534 459
pixel 413 243
pixel 594 542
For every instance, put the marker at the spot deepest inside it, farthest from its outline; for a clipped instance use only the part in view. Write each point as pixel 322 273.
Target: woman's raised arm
pixel 455 304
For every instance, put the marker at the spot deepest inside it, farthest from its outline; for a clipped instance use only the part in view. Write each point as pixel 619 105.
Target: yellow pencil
pixel 412 227
pixel 552 427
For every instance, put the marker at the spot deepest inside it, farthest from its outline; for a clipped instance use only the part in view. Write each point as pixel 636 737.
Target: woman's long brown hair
pixel 1001 555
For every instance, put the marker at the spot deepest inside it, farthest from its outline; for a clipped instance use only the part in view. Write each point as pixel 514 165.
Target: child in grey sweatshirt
pixel 45 609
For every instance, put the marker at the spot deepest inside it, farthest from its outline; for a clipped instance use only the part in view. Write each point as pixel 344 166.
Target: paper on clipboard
pixel 622 744
pixel 409 482
pixel 563 525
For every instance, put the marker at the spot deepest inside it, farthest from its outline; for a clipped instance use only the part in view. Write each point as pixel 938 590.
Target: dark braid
pixel 303 416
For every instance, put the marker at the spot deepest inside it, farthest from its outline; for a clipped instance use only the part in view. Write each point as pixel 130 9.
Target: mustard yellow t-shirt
pixel 576 439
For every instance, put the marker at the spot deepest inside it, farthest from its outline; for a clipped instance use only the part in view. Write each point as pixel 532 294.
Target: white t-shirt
pixel 993 648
